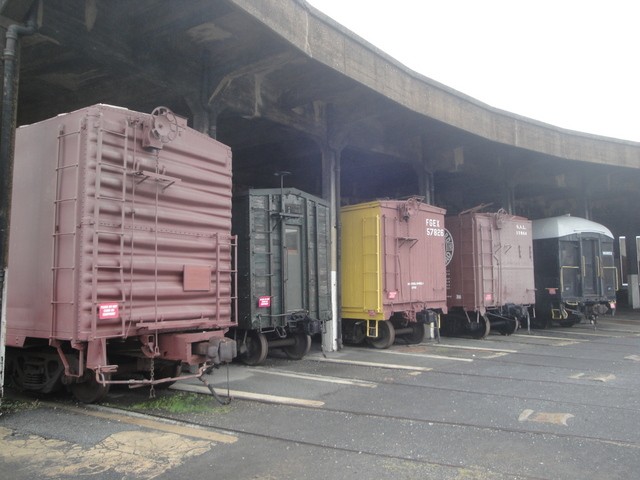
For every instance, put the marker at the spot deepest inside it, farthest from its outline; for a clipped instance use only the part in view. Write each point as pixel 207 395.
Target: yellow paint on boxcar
pixel 361 262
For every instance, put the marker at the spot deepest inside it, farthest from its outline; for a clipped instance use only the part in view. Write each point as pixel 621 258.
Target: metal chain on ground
pixel 152 374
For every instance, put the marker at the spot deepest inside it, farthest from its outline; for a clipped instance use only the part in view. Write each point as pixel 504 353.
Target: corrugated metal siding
pixel 516 259
pixel 492 264
pixel 129 221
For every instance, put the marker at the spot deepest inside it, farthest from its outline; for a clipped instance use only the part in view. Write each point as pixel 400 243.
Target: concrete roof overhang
pixel 279 82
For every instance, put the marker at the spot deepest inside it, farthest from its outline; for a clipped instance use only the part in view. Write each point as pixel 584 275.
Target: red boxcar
pixel 120 250
pixel 490 281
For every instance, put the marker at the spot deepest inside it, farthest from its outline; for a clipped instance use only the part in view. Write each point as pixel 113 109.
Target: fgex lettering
pixel 433 228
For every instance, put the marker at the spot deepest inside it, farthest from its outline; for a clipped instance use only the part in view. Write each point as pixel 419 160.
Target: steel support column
pixel 7 137
pixel 426 185
pixel 508 198
pixel 332 337
pixel 585 197
pixel 629 264
pixel 424 168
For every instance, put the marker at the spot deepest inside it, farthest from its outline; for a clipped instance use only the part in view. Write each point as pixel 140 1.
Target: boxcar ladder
pixel 487 280
pixel 70 174
pixel 371 269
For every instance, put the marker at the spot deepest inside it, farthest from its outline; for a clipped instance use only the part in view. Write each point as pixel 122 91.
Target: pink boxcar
pixel 393 270
pixel 490 281
pixel 120 250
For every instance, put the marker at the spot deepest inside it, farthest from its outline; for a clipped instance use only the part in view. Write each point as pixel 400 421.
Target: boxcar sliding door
pixel 293 273
pixel 590 265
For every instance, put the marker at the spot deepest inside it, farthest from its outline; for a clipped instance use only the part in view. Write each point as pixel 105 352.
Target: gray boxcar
pixel 284 286
pixel 490 280
pixel 120 250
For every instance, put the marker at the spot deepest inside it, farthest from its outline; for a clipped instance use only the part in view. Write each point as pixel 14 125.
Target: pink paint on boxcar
pixel 492 263
pixel 121 231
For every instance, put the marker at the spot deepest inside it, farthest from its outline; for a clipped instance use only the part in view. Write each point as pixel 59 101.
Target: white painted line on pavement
pixel 480 349
pixel 495 355
pixel 316 378
pixel 563 339
pixel 544 417
pixel 260 397
pixel 425 355
pixel 390 366
pixel 591 334
pixel 596 377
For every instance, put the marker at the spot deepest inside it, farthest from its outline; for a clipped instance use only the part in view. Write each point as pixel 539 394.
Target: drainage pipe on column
pixel 338 201
pixel 7 128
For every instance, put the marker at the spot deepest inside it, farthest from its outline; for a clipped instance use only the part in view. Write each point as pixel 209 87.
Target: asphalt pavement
pixel 560 403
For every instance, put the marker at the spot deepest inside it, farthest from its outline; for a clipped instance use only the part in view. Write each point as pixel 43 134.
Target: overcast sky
pixel 571 63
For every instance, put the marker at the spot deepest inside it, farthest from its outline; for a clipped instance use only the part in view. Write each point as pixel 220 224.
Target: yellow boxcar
pixel 393 270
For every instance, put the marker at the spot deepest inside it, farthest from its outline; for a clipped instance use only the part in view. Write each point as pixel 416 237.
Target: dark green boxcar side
pixel 284 275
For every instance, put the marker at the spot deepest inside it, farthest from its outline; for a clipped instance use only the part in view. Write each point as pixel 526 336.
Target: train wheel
pixel 541 322
pixel 257 349
pixel 386 335
pixel 358 334
pixel 483 329
pixel 90 391
pixel 300 348
pixel 451 326
pixel 510 327
pixel 15 371
pixel 419 331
